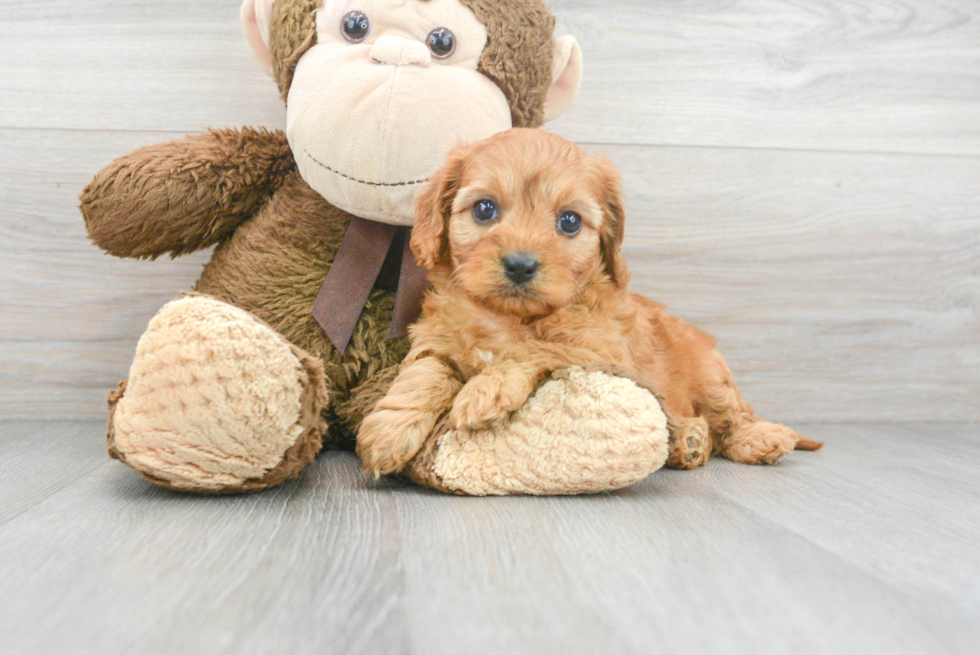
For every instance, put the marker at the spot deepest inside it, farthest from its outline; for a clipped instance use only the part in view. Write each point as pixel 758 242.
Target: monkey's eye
pixel 569 224
pixel 355 26
pixel 442 42
pixel 485 212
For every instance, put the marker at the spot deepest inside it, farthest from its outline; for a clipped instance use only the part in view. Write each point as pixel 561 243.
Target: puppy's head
pixel 523 223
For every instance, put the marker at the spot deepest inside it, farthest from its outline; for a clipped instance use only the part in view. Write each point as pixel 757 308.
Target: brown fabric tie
pixel 412 286
pixel 352 275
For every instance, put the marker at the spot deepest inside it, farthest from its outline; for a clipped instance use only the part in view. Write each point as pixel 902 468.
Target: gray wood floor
pixel 869 546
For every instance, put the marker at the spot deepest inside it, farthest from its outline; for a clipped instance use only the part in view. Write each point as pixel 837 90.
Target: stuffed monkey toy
pixel 297 324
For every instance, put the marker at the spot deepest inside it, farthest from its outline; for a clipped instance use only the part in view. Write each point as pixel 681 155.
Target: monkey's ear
pixel 613 228
pixel 256 17
pixel 566 78
pixel 433 207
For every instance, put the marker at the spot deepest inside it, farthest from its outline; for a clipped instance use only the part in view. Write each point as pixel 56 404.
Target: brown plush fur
pixel 274 265
pixel 183 196
pixel 291 33
pixel 518 55
pixel 276 237
pixel 484 343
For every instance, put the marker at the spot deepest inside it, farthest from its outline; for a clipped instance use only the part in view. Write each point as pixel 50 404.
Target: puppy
pixel 521 235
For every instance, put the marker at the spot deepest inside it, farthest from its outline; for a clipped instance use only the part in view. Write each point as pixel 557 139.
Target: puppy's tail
pixel 806 443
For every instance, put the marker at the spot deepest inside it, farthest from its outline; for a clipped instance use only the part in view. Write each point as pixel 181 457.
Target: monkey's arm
pixel 185 195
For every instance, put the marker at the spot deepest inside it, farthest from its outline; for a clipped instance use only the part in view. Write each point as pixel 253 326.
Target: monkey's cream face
pixel 388 90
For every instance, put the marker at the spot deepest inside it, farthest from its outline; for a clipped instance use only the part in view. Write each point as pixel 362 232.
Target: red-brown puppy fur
pixel 485 342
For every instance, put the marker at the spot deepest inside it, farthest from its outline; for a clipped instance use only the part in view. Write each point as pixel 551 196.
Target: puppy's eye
pixel 485 212
pixel 355 26
pixel 442 42
pixel 569 224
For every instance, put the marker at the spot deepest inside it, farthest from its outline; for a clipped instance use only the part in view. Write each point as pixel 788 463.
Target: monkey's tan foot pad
pixel 582 432
pixel 217 402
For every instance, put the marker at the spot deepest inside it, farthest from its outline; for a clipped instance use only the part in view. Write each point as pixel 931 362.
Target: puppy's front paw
pixel 483 401
pixel 390 438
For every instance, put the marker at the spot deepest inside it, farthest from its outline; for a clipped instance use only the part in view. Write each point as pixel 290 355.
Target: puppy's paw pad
pixel 690 446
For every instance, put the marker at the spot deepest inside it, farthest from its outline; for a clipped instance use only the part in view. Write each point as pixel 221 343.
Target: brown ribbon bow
pixel 353 274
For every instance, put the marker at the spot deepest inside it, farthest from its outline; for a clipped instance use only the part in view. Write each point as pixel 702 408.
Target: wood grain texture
pixel 884 75
pixel 867 546
pixel 176 66
pixel 841 287
pixel 842 284
pixel 877 75
pixel 69 314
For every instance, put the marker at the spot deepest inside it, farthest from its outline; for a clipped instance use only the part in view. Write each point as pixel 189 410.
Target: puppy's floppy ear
pixel 433 207
pixel 613 227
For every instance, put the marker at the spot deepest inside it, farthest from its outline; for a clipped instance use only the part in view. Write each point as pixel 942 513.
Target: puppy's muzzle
pixel 520 267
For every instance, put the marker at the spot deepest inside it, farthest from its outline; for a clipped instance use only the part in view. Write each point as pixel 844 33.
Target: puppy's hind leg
pixel 690 443
pixel 737 433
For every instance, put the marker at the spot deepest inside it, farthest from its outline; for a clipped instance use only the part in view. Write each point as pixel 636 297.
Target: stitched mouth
pixel 354 179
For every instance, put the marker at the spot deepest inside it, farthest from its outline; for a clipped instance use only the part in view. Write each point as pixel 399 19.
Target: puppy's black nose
pixel 520 267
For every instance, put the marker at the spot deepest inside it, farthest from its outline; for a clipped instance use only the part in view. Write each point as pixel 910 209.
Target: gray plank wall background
pixel 803 181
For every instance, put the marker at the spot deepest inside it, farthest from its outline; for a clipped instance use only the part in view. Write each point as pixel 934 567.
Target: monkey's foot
pixel 583 431
pixel 217 402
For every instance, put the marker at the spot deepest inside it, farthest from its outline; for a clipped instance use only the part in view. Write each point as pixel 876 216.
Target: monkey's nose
pixel 520 267
pixel 396 51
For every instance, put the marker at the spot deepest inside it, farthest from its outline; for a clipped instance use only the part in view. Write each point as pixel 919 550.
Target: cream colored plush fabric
pixel 214 397
pixel 567 79
pixel 370 122
pixel 255 15
pixel 575 420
